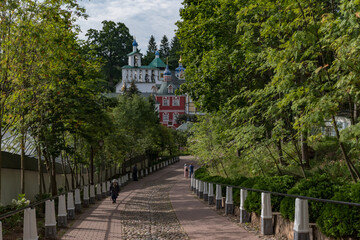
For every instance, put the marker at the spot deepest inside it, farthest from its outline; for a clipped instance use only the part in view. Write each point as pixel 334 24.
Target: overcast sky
pixel 143 17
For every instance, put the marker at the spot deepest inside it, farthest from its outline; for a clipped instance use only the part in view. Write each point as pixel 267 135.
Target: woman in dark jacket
pixel 114 189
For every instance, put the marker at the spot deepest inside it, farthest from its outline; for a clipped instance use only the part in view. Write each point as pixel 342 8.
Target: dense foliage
pixel 334 220
pixel 272 77
pixel 52 94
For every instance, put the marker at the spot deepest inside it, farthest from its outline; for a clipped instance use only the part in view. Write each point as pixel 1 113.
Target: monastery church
pixel 157 80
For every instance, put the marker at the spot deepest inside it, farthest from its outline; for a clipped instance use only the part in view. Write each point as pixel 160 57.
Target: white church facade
pixel 147 78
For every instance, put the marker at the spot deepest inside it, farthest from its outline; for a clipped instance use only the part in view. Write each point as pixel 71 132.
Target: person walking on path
pixel 186 171
pixel 135 178
pixel 114 190
pixel 191 169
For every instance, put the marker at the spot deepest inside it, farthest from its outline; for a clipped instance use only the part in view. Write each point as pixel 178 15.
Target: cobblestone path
pixel 148 214
pixel 157 207
pixel 143 211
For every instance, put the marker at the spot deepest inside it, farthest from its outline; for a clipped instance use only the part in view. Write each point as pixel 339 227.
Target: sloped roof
pixel 175 83
pixel 132 53
pixel 157 63
pixel 185 126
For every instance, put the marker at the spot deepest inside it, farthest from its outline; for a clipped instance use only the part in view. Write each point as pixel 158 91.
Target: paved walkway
pixel 159 206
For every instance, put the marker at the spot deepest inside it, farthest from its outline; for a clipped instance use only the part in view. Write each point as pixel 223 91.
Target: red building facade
pixel 170 105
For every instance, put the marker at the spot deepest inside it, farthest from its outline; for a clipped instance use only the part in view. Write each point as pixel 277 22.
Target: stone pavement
pixel 159 206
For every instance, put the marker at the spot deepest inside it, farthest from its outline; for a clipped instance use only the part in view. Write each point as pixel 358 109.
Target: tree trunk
pixel 53 175
pixel 304 151
pixel 272 157
pixel 353 172
pixel 0 159
pixel 43 183
pixel 91 165
pixel 48 168
pixel 71 171
pixel 39 169
pixel 22 164
pixel 280 153
pixel 67 187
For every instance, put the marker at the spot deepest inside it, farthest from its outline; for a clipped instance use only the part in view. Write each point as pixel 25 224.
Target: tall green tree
pixel 174 53
pixel 112 44
pixel 150 52
pixel 164 47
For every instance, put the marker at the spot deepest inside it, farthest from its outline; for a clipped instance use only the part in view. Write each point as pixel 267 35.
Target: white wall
pixel 10 179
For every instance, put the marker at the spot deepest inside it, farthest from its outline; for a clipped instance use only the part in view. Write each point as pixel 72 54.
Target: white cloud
pixel 143 18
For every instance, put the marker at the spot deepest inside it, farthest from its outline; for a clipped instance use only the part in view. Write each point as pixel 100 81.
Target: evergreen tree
pixel 132 90
pixel 164 47
pixel 174 53
pixel 150 53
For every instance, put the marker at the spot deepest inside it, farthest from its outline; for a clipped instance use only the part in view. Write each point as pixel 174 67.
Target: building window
pixel 170 123
pixel 176 101
pixel 175 116
pixel 166 117
pixel 153 77
pixel 170 89
pixel 165 102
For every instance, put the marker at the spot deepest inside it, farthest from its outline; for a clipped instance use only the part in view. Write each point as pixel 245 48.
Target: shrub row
pixel 334 220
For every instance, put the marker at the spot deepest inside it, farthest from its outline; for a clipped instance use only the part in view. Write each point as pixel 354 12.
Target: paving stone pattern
pixel 157 207
pixel 149 213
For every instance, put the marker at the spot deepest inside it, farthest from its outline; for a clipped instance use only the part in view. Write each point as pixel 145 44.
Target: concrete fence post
pixel 70 206
pixel 211 194
pixel 108 184
pixel 229 203
pixel 77 201
pixel 1 230
pixel 142 173
pixel 192 183
pixel 150 170
pixel 244 215
pixel 92 194
pixel 218 196
pixel 196 187
pixel 98 192
pixel 205 194
pixel 62 214
pixel 30 229
pixel 103 190
pixel 201 189
pixel 119 182
pixel 86 196
pixel 50 219
pixel 266 214
pixel 146 172
pixel 301 220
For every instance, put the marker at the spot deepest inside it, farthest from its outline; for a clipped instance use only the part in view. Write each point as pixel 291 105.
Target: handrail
pixel 290 195
pixel 8 214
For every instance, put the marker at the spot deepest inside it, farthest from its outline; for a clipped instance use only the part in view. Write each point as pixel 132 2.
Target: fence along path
pixel 197 219
pixel 159 206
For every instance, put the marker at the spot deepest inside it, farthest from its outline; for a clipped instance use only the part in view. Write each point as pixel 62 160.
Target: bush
pixel 279 184
pixel 339 220
pixel 10 222
pixel 317 186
